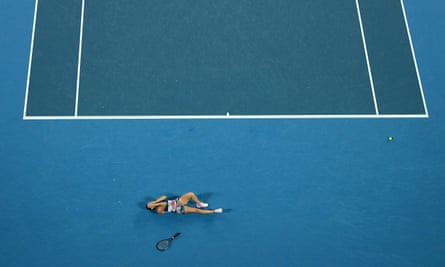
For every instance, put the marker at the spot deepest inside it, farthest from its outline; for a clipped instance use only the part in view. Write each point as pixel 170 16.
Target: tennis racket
pixel 164 244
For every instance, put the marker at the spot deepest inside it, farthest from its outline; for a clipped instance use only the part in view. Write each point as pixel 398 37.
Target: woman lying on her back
pixel 179 205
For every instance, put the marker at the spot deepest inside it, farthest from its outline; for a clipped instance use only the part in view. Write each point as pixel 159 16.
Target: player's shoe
pixel 218 210
pixel 202 205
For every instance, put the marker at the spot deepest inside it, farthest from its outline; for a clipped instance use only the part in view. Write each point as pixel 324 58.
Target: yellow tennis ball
pixel 390 138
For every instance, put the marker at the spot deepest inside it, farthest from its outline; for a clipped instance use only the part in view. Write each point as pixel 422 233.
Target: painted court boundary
pixel 227 116
pixel 368 65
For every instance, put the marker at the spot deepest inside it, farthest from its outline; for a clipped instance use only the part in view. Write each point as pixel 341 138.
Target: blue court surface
pixel 150 59
pixel 278 110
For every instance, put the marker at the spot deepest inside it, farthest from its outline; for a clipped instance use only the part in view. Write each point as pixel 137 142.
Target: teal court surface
pixel 152 59
pixel 319 124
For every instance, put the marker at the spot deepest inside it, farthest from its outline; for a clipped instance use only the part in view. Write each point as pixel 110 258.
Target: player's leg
pixel 200 211
pixel 191 196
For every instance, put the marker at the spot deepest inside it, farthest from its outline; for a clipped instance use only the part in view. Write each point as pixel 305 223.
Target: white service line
pixel 25 107
pixel 76 107
pixel 414 57
pixel 371 79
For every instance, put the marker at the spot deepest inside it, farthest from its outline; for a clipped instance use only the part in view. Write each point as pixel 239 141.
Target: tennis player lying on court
pixel 179 205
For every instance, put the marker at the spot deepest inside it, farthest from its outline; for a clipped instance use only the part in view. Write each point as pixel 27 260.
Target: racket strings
pixel 163 244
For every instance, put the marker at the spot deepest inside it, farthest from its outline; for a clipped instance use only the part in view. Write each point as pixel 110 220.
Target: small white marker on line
pixel 228 114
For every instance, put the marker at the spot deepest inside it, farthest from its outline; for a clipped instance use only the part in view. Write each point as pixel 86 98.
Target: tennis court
pixel 278 110
pixel 249 59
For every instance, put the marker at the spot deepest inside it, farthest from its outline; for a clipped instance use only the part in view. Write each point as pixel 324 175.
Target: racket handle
pixel 176 235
